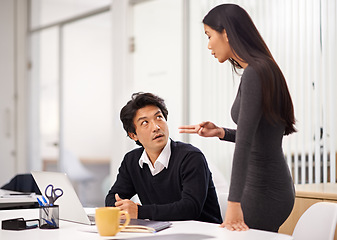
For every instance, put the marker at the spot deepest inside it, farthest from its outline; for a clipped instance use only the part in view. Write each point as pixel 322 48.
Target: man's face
pixel 151 129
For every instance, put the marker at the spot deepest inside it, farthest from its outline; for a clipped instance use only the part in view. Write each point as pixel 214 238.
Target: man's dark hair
pixel 138 101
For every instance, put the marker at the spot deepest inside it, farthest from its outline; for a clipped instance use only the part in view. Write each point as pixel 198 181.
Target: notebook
pixel 145 225
pixel 71 208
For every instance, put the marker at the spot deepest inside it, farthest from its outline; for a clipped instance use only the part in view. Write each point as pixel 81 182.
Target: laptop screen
pixel 70 206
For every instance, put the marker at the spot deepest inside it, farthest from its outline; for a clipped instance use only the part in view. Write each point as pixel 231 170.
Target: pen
pixel 44 199
pixel 49 222
pixel 54 223
pixel 40 203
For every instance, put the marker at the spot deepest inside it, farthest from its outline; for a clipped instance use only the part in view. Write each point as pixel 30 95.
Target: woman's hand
pixel 234 218
pixel 204 129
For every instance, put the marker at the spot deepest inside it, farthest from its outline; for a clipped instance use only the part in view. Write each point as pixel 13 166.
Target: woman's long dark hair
pixel 248 45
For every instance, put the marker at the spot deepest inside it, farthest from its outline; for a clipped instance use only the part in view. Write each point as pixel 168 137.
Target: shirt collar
pixel 163 158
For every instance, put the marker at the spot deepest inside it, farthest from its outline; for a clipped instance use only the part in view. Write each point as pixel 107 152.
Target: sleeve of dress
pixel 123 186
pixel 195 179
pixel 229 135
pixel 249 116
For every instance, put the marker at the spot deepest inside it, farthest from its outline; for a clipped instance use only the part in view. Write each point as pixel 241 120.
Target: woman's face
pixel 218 44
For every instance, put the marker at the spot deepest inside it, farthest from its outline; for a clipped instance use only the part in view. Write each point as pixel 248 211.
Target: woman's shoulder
pixel 250 82
pixel 250 73
pixel 250 77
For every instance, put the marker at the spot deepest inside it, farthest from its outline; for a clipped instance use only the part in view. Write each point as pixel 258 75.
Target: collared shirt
pixel 161 162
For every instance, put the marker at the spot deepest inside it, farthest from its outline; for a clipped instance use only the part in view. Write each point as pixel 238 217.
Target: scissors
pixel 53 194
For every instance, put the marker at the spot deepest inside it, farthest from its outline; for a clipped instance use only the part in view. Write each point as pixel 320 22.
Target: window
pixel 71 88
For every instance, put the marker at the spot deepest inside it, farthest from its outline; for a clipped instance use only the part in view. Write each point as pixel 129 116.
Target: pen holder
pixel 49 217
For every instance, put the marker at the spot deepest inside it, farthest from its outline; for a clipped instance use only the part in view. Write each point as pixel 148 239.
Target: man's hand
pixel 127 205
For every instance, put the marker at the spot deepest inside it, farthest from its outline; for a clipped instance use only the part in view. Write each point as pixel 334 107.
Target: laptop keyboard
pixel 91 218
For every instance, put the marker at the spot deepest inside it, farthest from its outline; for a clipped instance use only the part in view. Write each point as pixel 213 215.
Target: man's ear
pixel 133 136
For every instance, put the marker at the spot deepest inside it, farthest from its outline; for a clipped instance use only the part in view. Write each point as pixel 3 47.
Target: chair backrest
pixel 22 183
pixel 222 198
pixel 221 186
pixel 318 222
pixel 74 168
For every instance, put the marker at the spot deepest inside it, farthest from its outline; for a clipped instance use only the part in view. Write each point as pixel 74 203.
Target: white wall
pixel 13 89
pixel 157 57
pixel 7 83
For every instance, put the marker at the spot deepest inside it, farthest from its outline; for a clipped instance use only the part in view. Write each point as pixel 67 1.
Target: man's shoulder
pixel 182 147
pixel 134 154
pixel 187 155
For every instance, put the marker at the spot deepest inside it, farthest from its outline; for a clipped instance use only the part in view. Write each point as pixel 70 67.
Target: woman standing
pixel 261 193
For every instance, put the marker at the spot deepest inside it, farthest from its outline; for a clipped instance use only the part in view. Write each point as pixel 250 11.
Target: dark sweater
pixel 183 191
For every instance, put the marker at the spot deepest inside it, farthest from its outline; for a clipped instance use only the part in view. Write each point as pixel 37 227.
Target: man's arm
pixel 123 186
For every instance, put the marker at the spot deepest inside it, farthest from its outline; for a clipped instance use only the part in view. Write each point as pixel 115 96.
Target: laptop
pixel 71 208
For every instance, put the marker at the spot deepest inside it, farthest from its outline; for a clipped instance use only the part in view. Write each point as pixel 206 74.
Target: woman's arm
pixel 204 129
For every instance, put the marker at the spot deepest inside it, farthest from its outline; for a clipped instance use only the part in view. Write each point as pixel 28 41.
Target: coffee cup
pixel 108 220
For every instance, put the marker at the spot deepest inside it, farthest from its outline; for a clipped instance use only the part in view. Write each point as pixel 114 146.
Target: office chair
pixel 221 186
pixel 222 198
pixel 77 173
pixel 318 222
pixel 22 183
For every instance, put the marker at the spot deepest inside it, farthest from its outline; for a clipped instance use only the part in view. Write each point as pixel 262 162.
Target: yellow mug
pixel 108 220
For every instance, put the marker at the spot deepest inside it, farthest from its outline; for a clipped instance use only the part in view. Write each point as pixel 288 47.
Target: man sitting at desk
pixel 172 179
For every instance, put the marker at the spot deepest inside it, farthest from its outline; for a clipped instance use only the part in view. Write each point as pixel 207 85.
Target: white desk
pixel 182 230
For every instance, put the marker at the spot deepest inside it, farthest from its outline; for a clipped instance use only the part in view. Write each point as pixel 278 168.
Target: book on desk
pixel 144 225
